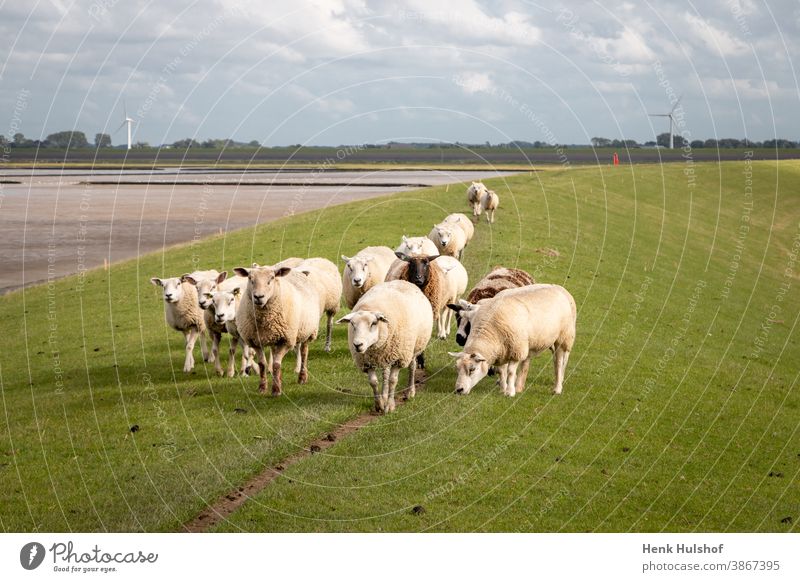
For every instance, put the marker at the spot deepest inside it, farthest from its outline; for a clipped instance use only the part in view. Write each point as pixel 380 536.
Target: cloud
pixel 713 38
pixel 472 82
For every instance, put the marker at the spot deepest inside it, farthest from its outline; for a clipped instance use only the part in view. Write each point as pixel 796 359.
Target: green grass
pixel 679 412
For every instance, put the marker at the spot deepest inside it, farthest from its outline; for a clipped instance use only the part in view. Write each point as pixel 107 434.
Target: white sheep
pixel 224 306
pixel 441 279
pixel 449 239
pixel 365 270
pixel 280 310
pixel 462 221
pixel 474 193
pixel 496 280
pixel 512 328
pixel 390 327
pixel 324 276
pixel 208 282
pixel 416 246
pixel 182 313
pixel 489 202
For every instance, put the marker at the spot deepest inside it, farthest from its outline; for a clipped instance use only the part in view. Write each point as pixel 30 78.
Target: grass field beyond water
pixel 679 411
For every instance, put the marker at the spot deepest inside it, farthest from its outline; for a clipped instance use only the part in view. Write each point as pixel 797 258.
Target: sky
pixel 332 72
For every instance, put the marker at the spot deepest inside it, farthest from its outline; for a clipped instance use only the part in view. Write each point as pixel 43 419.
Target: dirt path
pixel 234 499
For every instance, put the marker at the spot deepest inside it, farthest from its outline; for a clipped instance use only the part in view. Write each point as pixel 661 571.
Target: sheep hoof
pixel 328 348
pixel 302 378
pixel 276 392
pixel 262 388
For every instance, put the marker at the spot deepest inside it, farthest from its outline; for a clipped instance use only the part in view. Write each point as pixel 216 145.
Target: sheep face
pixel 465 313
pixel 224 305
pixel 471 368
pixel 444 234
pixel 419 268
pixel 173 292
pixel 365 329
pixel 206 288
pixel 358 269
pixel 261 282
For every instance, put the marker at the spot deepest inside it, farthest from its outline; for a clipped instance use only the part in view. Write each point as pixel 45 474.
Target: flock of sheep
pixel 395 296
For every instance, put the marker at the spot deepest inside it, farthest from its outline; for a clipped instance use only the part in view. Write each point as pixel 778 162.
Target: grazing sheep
pixel 442 279
pixel 416 246
pixel 489 202
pixel 224 306
pixel 498 279
pixel 365 270
pixel 182 313
pixel 449 239
pixel 474 193
pixel 512 328
pixel 325 278
pixel 462 221
pixel 390 327
pixel 279 310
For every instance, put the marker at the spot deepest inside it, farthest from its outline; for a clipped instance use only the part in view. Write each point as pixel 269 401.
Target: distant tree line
pixel 77 139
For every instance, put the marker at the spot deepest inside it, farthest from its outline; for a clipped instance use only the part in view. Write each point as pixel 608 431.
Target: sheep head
pixel 261 282
pixel 173 290
pixel 418 268
pixel 471 368
pixel 365 329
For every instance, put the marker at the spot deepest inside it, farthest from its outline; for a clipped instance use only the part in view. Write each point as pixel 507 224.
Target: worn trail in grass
pixel 679 411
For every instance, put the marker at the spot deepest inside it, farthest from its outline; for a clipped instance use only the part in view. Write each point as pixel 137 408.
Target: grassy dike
pixel 680 407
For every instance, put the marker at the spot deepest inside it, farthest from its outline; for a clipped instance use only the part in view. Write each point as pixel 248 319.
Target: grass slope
pixel 679 411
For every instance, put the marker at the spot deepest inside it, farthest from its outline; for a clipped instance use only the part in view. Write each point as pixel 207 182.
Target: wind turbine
pixel 129 122
pixel 671 120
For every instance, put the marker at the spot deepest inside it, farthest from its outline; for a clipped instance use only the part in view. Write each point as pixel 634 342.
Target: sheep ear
pixel 478 358
pixel 405 238
pixel 157 282
pixel 455 354
pixel 222 276
pixel 283 271
pixel 381 317
pixel 345 319
pixel 454 307
pixel 187 278
pixel 241 271
pixel 306 273
pixel 345 258
pixel 400 255
pixel 434 257
pixel 254 265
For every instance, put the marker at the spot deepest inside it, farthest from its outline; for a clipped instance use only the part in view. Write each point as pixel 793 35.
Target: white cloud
pixel 472 82
pixel 713 38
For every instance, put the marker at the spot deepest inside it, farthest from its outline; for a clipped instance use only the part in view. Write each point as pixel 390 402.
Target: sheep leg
pixel 421 360
pixel 278 352
pixel 204 347
pixel 503 372
pixel 215 339
pixel 329 333
pixel 394 376
pixel 522 375
pixel 372 378
pixel 302 377
pixel 232 357
pixel 411 389
pixel 191 338
pixel 511 379
pixel 384 398
pixel 560 358
pixel 440 325
pixel 262 373
pixel 298 364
